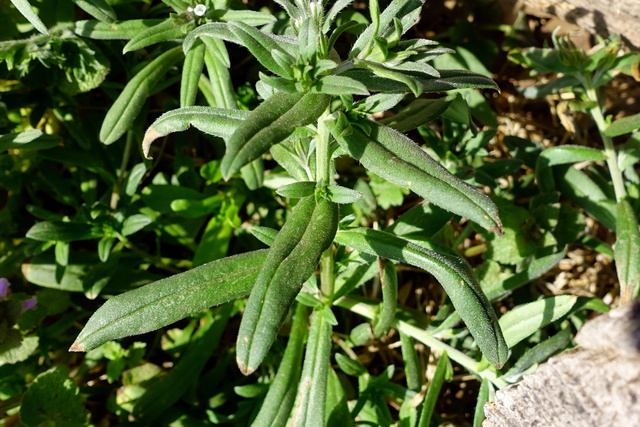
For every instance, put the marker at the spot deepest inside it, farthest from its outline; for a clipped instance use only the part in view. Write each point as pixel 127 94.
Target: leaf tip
pixel 76 346
pixel 150 135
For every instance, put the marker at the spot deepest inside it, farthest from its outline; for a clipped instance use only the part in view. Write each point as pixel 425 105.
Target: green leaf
pixel 99 9
pixel 627 251
pixel 25 9
pixel 281 396
pixel 53 399
pixel 538 354
pixel 560 155
pixel 623 125
pixel 62 253
pixel 265 234
pixel 629 154
pixel 350 366
pixel 249 17
pixel 429 403
pixel 125 109
pixel 412 369
pixel 165 301
pixel 484 396
pixel 14 348
pixel 379 102
pixel 526 319
pixel 31 139
pixel 342 195
pixel 291 261
pixel 396 158
pixel 260 45
pixel 135 223
pixel 168 390
pixel 191 72
pixel 215 121
pixel 418 113
pixel 169 29
pixel 340 85
pixel 273 121
pixel 448 80
pixel 389 285
pixel 453 273
pixel 297 190
pixel 57 231
pixel 124 30
pixel 309 409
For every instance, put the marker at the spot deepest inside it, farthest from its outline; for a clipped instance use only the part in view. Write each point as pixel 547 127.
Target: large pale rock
pixel 596 385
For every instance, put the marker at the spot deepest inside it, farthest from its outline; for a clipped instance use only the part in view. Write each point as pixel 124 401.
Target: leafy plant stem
pixel 126 155
pixel 482 370
pixel 327 279
pixel 323 155
pixel 609 149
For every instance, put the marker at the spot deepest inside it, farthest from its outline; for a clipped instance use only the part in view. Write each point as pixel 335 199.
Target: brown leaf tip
pixel 76 346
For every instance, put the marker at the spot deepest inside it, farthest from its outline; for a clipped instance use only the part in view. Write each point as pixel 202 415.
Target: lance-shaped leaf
pixel 292 259
pixel 191 73
pixel 279 401
pixel 221 122
pixel 430 399
pixel 623 125
pixel 273 121
pixel 25 9
pixel 527 319
pixel 453 273
pixel 418 113
pixel 248 17
pixel 448 80
pixel 340 85
pixel 99 9
pixel 309 409
pixel 389 285
pixel 170 29
pixel 627 251
pixel 30 139
pixel 260 45
pixel 165 301
pixel 124 30
pixel 396 158
pixel 124 111
pixel 561 155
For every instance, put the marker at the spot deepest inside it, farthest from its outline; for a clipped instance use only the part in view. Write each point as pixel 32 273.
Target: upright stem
pixel 115 195
pixel 609 149
pixel 323 156
pixel 323 177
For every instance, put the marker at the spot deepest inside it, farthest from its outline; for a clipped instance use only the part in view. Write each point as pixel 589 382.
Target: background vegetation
pixel 85 216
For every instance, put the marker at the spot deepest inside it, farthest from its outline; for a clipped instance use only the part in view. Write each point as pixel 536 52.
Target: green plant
pixel 613 203
pixel 275 196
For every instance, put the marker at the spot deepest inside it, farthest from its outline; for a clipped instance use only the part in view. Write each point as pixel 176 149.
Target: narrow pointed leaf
pixel 125 109
pixel 165 301
pixel 429 402
pixel 273 121
pixel 453 273
pixel 248 17
pixel 24 8
pixel 169 29
pixel 389 285
pixel 561 155
pixel 340 85
pixel 623 125
pixel 221 122
pixel 99 9
pixel 281 397
pixel 396 158
pixel 292 260
pixel 260 45
pixel 310 403
pixel 627 251
pixel 418 113
pixel 215 30
pixel 124 30
pixel 527 319
pixel 191 72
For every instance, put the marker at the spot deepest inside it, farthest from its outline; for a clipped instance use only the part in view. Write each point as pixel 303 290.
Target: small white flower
pixel 200 10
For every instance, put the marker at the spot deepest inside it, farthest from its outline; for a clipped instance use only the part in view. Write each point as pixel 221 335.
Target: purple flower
pixel 4 288
pixel 29 304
